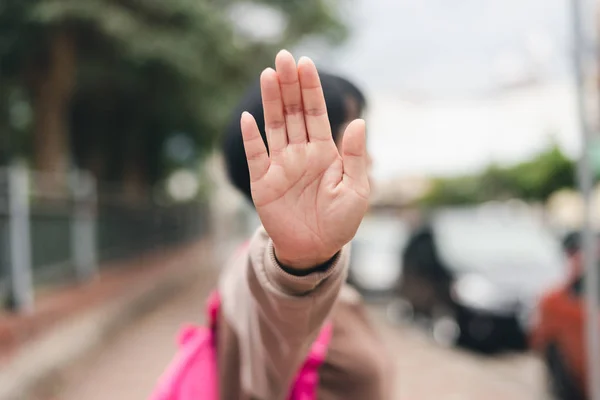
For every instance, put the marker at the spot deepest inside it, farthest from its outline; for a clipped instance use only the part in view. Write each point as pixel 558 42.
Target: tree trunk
pixel 135 180
pixel 5 142
pixel 135 184
pixel 52 95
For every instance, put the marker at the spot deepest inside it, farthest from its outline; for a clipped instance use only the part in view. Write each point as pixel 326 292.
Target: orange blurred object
pixel 558 335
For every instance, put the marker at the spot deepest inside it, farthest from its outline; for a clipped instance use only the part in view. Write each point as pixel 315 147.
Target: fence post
pixel 83 225
pixel 20 238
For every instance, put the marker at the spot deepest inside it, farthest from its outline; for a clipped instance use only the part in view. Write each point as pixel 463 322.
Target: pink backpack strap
pixel 213 304
pixel 193 373
pixel 189 332
pixel 307 381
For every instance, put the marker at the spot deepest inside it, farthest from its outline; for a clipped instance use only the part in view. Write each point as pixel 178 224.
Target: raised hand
pixel 309 197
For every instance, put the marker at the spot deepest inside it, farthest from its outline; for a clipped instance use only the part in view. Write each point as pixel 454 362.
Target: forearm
pixel 276 315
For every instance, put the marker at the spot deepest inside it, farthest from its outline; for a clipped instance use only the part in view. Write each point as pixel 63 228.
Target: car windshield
pixel 475 242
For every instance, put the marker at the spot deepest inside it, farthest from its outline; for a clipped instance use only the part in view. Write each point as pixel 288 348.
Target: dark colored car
pixel 477 276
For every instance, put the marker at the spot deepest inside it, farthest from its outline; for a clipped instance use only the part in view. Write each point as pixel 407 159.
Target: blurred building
pixel 399 191
pixel 565 209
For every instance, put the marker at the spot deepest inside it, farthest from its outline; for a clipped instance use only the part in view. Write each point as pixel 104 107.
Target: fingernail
pixel 305 59
pixel 266 72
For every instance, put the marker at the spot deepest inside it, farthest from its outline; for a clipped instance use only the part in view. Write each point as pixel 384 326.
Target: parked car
pixel 477 276
pixel 558 336
pixel 376 251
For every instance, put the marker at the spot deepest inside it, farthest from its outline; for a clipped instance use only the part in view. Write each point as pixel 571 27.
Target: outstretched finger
pixel 292 97
pixel 355 158
pixel 256 152
pixel 273 109
pixel 315 109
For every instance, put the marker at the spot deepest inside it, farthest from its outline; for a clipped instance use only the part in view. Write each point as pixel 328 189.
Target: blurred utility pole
pixel 83 225
pixel 20 239
pixel 586 183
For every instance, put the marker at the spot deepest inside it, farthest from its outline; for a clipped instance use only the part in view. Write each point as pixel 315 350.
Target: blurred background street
pixel 127 366
pixel 117 215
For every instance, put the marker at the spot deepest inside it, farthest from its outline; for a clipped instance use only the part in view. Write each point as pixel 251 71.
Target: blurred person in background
pixel 272 309
pixel 572 247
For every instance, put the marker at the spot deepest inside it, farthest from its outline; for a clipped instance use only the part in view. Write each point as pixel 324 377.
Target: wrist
pixel 302 263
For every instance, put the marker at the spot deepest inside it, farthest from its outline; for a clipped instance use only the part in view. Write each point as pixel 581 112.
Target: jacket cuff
pixel 295 285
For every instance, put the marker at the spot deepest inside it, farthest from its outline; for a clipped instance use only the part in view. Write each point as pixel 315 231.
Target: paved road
pixel 426 371
pixel 128 366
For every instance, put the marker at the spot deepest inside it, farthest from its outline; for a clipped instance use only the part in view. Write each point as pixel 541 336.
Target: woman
pixel 310 188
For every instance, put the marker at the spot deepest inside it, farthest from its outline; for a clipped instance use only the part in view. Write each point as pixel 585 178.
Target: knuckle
pixel 293 109
pixel 316 111
pixel 276 125
pixel 290 82
pixel 255 156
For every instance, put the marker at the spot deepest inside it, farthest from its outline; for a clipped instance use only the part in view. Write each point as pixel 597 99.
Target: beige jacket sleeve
pixel 276 316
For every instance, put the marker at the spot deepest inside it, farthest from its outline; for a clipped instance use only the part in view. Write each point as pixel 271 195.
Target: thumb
pixel 354 157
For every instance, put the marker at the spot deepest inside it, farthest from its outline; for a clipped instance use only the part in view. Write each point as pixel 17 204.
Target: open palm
pixel 309 197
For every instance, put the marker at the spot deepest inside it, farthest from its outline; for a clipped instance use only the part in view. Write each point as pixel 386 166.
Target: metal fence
pixel 4 236
pixel 125 230
pixel 57 233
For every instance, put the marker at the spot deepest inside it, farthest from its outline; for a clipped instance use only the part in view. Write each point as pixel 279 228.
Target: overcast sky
pixel 450 47
pixel 429 66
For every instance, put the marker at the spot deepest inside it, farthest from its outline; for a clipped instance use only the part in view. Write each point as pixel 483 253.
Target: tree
pixel 114 79
pixel 535 180
pixel 42 62
pixel 548 172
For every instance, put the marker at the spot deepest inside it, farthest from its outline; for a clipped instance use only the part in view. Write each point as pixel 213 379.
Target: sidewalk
pixel 68 323
pixel 128 366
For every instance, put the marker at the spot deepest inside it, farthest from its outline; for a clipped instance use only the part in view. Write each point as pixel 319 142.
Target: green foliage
pixel 310 16
pixel 534 180
pixel 147 69
pixel 548 172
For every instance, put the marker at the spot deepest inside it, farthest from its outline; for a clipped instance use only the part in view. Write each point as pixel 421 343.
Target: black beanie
pixel 233 145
